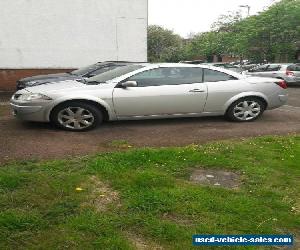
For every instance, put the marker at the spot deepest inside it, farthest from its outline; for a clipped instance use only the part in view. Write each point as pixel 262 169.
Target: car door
pixel 162 92
pixel 221 87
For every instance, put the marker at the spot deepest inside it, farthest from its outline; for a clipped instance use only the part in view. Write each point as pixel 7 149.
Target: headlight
pixel 33 97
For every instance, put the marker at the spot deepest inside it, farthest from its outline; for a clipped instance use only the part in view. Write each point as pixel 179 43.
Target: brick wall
pixel 8 77
pixel 230 59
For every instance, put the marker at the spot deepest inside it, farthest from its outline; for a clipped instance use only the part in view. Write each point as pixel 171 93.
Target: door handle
pixel 197 91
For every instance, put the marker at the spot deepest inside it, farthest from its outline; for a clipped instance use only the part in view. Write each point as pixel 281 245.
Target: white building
pixel 71 33
pixel 61 34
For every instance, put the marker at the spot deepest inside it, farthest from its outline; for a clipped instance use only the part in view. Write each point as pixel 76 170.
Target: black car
pixel 79 74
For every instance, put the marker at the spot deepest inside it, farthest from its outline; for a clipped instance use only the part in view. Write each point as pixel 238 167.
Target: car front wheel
pixel 246 109
pixel 76 116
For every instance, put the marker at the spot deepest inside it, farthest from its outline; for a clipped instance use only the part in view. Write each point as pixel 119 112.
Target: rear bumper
pixel 283 98
pixel 277 100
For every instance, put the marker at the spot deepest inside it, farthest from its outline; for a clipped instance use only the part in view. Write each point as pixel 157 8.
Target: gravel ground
pixel 20 140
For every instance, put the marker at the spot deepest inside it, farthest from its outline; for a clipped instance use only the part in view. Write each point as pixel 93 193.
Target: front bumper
pixel 27 112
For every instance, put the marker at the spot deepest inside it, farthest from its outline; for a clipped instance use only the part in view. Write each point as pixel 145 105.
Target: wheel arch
pixel 101 107
pixel 259 96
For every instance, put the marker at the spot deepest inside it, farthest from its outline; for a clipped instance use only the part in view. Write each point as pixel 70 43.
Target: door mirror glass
pixel 129 84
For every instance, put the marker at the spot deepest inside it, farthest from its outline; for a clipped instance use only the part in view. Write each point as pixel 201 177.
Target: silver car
pixel 147 91
pixel 288 72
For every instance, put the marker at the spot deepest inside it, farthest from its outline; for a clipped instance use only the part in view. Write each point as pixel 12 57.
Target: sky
pixel 192 16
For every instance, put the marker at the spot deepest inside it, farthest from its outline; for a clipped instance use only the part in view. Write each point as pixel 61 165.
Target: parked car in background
pixel 82 73
pixel 227 66
pixel 193 62
pixel 147 91
pixel 288 72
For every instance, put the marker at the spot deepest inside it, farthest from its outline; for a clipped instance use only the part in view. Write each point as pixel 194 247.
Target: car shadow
pixel 133 123
pixel 167 121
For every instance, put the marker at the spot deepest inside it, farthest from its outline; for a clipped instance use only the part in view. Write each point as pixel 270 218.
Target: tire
pixel 246 109
pixel 76 116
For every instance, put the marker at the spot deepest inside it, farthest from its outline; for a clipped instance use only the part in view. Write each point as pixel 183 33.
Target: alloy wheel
pixel 76 118
pixel 247 110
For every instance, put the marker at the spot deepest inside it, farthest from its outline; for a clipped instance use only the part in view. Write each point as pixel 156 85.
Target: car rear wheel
pixel 76 116
pixel 246 109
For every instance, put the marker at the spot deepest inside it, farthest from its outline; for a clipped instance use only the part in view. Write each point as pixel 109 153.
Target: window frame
pixel 128 78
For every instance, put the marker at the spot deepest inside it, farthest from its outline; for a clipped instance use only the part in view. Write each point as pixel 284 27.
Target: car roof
pixel 121 62
pixel 185 65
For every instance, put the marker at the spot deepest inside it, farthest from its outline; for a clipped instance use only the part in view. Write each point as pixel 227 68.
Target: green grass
pixel 53 204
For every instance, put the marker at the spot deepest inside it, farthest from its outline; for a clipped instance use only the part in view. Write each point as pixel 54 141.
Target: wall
pixel 9 77
pixel 47 34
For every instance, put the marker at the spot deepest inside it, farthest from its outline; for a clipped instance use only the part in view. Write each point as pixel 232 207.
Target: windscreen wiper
pixel 92 82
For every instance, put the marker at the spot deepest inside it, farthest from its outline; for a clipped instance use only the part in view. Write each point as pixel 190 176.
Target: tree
pixel 225 23
pixel 164 45
pixel 272 35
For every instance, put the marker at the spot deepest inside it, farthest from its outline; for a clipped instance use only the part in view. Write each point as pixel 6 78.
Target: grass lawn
pixel 143 197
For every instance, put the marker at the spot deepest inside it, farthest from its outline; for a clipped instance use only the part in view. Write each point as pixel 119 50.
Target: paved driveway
pixel 34 141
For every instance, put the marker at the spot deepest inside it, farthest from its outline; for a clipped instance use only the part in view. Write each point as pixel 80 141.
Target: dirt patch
pixel 179 220
pixel 140 244
pixel 4 110
pixel 5 96
pixel 101 195
pixel 217 178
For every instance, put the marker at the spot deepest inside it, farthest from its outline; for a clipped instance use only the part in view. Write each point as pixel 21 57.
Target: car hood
pixel 52 87
pixel 45 77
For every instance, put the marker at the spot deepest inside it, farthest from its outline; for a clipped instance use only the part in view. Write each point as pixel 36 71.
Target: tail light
pixel 282 84
pixel 289 73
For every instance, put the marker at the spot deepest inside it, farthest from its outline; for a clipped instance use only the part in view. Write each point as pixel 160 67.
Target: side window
pixel 294 67
pixel 168 76
pixel 273 68
pixel 297 68
pixel 216 76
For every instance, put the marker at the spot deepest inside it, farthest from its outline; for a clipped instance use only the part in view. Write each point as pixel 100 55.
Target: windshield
pixel 88 69
pixel 114 73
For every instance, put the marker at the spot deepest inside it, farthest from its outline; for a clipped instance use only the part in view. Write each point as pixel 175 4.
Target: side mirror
pixel 129 84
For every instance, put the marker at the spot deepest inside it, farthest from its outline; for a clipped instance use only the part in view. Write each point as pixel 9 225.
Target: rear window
pixel 294 67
